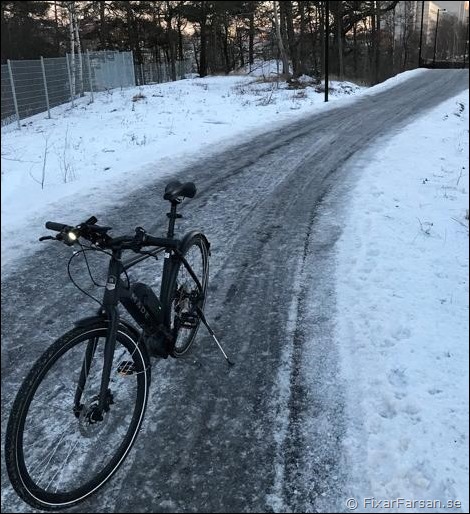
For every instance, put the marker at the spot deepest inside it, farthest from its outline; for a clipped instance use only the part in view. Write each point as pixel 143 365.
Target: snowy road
pixel 265 435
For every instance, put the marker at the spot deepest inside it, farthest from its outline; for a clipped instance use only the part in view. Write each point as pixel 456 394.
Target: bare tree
pixel 79 49
pixel 71 7
pixel 282 50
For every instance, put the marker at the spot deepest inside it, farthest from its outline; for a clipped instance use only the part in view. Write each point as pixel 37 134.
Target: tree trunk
pixel 313 36
pixel 70 6
pixel 291 37
pixel 322 38
pixel 374 47
pixel 195 55
pixel 355 50
pixel 132 32
pixel 280 43
pixel 203 50
pixel 179 26
pixel 339 37
pixel 251 44
pixel 377 44
pixel 240 49
pixel 56 32
pixel 79 52
pixel 169 40
pixel 103 34
pixel 301 43
pixel 225 48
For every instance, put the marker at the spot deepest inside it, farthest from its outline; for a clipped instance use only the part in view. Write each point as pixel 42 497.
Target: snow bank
pixel 90 156
pixel 403 315
pixel 63 168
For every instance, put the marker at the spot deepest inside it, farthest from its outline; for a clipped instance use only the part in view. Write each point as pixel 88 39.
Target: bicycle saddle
pixel 175 189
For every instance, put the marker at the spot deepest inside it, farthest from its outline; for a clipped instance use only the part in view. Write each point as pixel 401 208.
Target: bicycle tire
pixel 24 478
pixel 196 252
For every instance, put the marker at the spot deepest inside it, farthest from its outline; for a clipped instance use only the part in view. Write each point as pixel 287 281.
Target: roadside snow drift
pixel 402 325
pixel 95 153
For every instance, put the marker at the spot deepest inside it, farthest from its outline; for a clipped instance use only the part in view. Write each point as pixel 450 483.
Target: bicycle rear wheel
pixel 57 455
pixel 185 293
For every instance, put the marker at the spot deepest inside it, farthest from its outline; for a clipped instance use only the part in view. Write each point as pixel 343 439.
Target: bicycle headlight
pixel 72 237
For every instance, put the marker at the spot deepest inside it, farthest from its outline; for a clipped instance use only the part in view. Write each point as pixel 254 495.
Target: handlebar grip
pixel 91 221
pixel 58 227
pixel 160 241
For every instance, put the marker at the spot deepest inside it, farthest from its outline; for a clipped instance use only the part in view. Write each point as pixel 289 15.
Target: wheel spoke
pixel 186 294
pixel 57 447
pixel 61 469
pixel 52 453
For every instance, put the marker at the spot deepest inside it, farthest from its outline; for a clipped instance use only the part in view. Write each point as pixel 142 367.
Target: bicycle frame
pixel 114 358
pixel 115 290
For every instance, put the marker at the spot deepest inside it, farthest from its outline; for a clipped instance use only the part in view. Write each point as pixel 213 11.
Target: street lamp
pixel 327 52
pixel 466 44
pixel 435 38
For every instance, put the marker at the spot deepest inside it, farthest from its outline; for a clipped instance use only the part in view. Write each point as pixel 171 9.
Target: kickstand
pixel 211 332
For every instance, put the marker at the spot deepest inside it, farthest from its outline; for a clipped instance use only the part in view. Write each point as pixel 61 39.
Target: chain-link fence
pixel 31 87
pixel 155 73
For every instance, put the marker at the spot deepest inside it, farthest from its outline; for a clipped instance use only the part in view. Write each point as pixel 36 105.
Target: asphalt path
pixel 267 434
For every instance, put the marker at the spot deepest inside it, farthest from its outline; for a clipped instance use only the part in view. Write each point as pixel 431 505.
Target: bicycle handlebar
pixel 58 227
pixel 98 235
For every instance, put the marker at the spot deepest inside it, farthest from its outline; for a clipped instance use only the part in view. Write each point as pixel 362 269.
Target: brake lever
pixel 43 238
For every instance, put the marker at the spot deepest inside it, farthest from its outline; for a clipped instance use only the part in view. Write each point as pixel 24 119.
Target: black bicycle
pixel 79 410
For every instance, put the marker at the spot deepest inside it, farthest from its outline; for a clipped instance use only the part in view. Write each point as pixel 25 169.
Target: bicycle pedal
pixel 126 368
pixel 188 320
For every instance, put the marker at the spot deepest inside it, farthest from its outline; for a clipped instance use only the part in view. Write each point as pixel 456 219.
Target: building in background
pixel 463 12
pixel 430 17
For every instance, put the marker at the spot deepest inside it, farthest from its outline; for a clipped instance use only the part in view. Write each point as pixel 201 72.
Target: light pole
pixel 421 36
pixel 466 43
pixel 435 37
pixel 327 38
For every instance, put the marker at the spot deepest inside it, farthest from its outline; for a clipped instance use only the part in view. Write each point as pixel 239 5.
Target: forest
pixel 367 41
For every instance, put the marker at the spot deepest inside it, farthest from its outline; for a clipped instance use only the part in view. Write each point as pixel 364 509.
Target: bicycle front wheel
pixel 185 293
pixel 57 454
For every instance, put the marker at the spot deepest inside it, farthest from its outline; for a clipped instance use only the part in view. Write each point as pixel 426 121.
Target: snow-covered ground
pixel 97 152
pixel 402 261
pixel 402 327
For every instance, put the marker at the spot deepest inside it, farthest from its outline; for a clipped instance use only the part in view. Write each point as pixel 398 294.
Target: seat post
pixel 172 216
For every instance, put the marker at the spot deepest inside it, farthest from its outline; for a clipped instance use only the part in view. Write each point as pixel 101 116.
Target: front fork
pixel 109 347
pixel 86 364
pixel 110 302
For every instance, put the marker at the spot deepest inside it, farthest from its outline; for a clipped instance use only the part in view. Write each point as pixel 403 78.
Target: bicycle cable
pixel 83 251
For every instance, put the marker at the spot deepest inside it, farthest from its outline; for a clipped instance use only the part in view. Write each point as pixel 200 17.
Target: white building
pixel 411 12
pixel 463 12
pixel 429 20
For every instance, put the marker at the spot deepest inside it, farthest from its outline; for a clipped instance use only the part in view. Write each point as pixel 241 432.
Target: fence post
pixel 12 82
pixel 70 78
pixel 45 87
pixel 116 69
pixel 123 67
pixel 133 67
pixel 142 74
pixel 90 78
